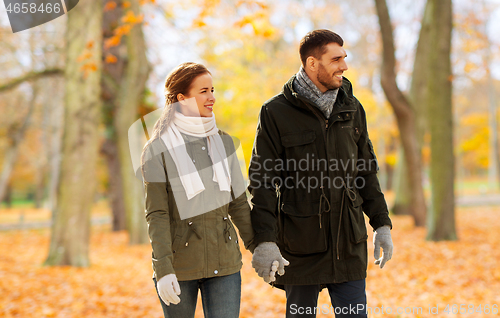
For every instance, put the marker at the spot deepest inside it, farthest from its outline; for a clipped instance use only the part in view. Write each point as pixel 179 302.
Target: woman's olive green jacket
pixel 205 245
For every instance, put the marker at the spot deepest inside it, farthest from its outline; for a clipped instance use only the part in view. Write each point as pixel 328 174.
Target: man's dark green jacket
pixel 311 178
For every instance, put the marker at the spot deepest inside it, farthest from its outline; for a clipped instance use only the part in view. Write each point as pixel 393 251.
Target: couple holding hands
pixel 306 224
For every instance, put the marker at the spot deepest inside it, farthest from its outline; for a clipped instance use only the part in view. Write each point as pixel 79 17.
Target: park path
pixel 45 224
pixel 464 201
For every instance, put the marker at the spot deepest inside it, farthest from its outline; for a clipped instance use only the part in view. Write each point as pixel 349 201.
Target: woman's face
pixel 200 99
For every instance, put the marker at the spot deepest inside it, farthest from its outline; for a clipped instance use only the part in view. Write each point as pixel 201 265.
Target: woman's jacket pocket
pixel 185 251
pixel 304 230
pixel 357 221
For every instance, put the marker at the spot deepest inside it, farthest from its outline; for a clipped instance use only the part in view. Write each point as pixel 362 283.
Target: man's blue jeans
pixel 348 300
pixel 220 297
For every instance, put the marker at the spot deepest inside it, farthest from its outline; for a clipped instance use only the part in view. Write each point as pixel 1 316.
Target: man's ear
pixel 311 63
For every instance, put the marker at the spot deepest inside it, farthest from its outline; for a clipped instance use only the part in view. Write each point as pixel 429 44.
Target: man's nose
pixel 343 66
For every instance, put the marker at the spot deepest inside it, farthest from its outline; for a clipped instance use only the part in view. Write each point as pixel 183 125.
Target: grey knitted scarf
pixel 305 87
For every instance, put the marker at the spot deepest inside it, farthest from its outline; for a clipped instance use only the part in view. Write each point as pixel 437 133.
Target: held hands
pixel 382 238
pixel 267 260
pixel 169 289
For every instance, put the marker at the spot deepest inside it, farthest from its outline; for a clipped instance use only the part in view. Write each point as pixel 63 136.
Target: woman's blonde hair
pixel 179 81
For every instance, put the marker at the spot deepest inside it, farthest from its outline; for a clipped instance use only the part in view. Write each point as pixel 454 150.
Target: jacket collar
pixel 344 102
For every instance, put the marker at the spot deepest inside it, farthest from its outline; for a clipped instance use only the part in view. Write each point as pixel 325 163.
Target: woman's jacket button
pixel 225 218
pixel 190 223
pixel 216 272
pixel 187 243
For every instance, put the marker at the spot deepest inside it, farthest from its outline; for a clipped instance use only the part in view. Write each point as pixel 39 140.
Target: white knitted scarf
pixel 198 127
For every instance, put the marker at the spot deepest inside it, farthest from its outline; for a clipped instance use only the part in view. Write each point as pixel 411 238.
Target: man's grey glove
pixel 265 255
pixel 382 238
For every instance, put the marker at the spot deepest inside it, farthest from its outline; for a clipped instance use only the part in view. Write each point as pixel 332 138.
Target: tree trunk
pixel 125 83
pixel 441 219
pixel 39 187
pixel 110 152
pixel 17 132
pixel 402 202
pixel 404 116
pixel 56 123
pixel 493 159
pixel 133 87
pixel 110 84
pixel 8 196
pixel 418 100
pixel 420 77
pixel 70 230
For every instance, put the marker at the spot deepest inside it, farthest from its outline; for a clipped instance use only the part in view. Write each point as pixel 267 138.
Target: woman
pixel 193 182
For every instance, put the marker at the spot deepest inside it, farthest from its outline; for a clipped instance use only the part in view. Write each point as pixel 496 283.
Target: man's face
pixel 331 67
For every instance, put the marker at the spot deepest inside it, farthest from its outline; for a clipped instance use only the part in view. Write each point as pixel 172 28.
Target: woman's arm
pixel 239 208
pixel 157 216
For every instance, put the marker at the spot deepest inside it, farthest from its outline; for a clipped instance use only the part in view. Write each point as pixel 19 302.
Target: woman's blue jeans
pixel 220 297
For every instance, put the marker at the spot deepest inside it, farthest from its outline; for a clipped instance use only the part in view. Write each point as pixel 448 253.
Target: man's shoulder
pixel 276 102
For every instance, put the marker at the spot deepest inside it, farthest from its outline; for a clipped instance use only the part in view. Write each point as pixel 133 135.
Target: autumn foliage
pixel 119 284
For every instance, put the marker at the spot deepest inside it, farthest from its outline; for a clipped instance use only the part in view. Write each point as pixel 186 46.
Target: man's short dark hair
pixel 314 43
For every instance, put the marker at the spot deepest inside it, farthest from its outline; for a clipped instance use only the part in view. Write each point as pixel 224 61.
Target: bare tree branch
pixel 30 76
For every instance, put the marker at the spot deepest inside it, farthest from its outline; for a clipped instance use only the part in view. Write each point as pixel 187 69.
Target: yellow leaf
pixel 199 23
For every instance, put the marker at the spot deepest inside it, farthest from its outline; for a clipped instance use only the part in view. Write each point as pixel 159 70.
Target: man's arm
pixel 374 204
pixel 266 152
pixel 265 155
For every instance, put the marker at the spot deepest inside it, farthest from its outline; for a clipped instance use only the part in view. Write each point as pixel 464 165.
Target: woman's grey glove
pixel 264 255
pixel 382 238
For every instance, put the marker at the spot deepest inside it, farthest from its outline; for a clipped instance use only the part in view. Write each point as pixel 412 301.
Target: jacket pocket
pixel 186 252
pixel 299 145
pixel 298 138
pixel 358 232
pixel 300 172
pixel 304 230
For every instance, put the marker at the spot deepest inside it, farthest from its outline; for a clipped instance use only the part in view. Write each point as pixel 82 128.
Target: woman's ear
pixel 181 98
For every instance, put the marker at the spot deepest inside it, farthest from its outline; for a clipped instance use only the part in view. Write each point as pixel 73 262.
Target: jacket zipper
pixel 325 127
pixel 320 118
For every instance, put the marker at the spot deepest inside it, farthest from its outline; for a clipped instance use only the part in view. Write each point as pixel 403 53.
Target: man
pixel 312 174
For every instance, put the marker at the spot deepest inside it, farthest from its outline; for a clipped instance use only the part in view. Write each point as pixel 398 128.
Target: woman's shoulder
pixel 222 132
pixel 228 140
